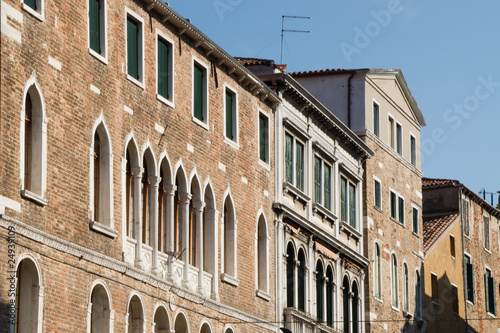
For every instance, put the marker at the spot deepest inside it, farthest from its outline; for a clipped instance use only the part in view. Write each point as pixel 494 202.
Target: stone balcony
pixel 300 322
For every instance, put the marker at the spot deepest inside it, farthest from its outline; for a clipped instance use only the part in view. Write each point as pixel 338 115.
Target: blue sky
pixel 449 52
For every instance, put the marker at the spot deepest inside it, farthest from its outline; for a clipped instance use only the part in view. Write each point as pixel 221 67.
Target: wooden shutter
pixel 299 166
pixel 198 93
pixel 343 199
pixel 263 138
pixel 317 179
pixel 289 157
pixel 377 194
pixel 163 74
pixel 132 48
pixel 95 25
pixel 401 204
pixel 229 116
pixel 352 205
pixel 486 291
pixel 327 200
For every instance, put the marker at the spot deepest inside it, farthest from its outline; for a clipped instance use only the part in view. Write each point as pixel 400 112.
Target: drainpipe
pixel 463 262
pixel 349 100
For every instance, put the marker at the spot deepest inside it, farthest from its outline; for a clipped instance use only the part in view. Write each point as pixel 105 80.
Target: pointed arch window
pixel 34 148
pixel 262 265
pixel 162 214
pixel 329 296
pixel 345 301
pixel 377 285
pixel 319 291
pixel 177 219
pixel 129 199
pixel 406 290
pixel 100 312
pixel 146 189
pixel 394 281
pixel 193 248
pixel 301 283
pixel 229 238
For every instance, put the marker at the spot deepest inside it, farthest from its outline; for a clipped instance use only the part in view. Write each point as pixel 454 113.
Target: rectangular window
pixel 348 201
pixel 264 138
pixel 401 210
pixel 164 69
pixel 97 30
pixel 454 298
pixel 413 151
pixel 34 7
pixel 376 119
pixel 489 289
pixel 465 217
pixel 200 93
pixel 317 179
pixel 378 195
pixel 322 182
pixel 399 139
pixel 343 199
pixel 486 224
pixel 434 288
pixel 327 183
pixel 469 278
pixel 394 209
pixel 352 205
pixel 452 246
pixel 415 220
pixel 231 115
pixel 135 50
pixel 294 161
pixel 391 132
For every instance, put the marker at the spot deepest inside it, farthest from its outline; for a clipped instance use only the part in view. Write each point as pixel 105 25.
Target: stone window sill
pixel 103 229
pixel 262 294
pixel 229 279
pixel 34 197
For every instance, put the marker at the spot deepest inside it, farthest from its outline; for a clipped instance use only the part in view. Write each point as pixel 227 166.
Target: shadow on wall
pixel 440 311
pixel 5 315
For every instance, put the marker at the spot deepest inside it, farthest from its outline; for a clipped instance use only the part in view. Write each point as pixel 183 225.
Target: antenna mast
pixel 283 30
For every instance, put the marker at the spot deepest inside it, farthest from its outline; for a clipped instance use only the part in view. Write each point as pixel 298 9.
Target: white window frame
pixel 140 21
pixel 104 33
pixel 322 185
pixel 171 63
pixel 350 180
pixel 204 124
pixel 266 163
pixel 418 217
pixel 458 299
pixel 407 295
pixel 487 249
pixel 413 154
pixel 295 138
pixel 374 102
pixel 454 245
pixel 396 138
pixel 262 293
pixel 391 130
pixel 233 142
pixel 39 13
pixel 398 196
pixel 392 282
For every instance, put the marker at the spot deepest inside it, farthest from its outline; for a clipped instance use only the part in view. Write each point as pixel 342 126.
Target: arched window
pixel 394 281
pixel 355 308
pixel 131 195
pixel 145 193
pixel 100 310
pixel 135 315
pixel 319 291
pixel 329 296
pixel 162 213
pixel 406 291
pixel 149 183
pixel 34 154
pixel 301 276
pixel 181 214
pixel 262 254
pixel 418 296
pixel 229 238
pixel 345 301
pixel 205 328
pixel 177 219
pixel 181 324
pixel 210 251
pixel 290 283
pixel 28 298
pixel 102 180
pixel 161 320
pixel 377 283
pixel 195 221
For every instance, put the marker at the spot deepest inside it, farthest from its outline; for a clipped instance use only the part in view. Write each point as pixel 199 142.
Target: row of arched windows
pixel 325 290
pixel 100 314
pixel 395 280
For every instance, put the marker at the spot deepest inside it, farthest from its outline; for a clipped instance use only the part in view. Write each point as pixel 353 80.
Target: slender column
pixel 139 263
pixel 213 255
pixel 185 199
pixel 324 280
pixel 170 226
pixel 296 282
pixel 153 218
pixel 200 206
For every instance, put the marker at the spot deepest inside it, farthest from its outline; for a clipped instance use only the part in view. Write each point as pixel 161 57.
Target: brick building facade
pixel 132 180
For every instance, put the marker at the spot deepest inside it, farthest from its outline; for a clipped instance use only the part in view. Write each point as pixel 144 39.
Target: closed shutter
pixel 132 49
pixel 317 179
pixel 343 199
pixel 289 158
pixel 229 116
pixel 486 291
pixel 163 75
pixel 327 200
pixel 263 138
pixel 352 205
pixel 94 22
pixel 401 207
pixel 198 93
pixel 299 166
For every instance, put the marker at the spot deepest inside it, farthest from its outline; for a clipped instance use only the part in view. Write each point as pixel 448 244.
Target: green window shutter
pixel 229 116
pixel 401 204
pixel 376 120
pixel 163 70
pixel 486 292
pixel 95 25
pixel 415 220
pixel 472 284
pixel 393 205
pixel 263 141
pixel 492 296
pixel 299 166
pixel 377 194
pixel 289 158
pixel 352 205
pixel 343 199
pixel 132 48
pixel 327 199
pixel 317 179
pixel 198 92
pixel 31 4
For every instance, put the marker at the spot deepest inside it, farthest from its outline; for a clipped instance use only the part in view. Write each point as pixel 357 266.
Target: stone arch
pixel 100 309
pixel 135 317
pixel 161 319
pixel 229 236
pixel 181 324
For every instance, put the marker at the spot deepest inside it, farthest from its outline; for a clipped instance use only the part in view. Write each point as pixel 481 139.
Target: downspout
pixel 349 100
pixel 463 262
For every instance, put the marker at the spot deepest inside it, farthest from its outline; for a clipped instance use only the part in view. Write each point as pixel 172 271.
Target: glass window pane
pixel 327 200
pixel 31 4
pixel 317 179
pixel 299 165
pixel 378 199
pixel 198 92
pixel 263 138
pixel 94 25
pixel 229 116
pixel 132 48
pixel 289 158
pixel 163 74
pixel 376 119
pixel 393 205
pixel 401 210
pixel 352 205
pixel 343 199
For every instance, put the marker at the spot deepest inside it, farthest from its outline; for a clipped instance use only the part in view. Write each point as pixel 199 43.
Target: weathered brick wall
pixel 72 109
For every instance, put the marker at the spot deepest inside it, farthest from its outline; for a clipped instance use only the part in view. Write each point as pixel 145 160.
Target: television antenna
pixel 283 30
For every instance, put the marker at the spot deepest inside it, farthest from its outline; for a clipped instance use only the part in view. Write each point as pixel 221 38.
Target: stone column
pixel 137 223
pixel 153 218
pixel 200 206
pixel 185 199
pixel 170 227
